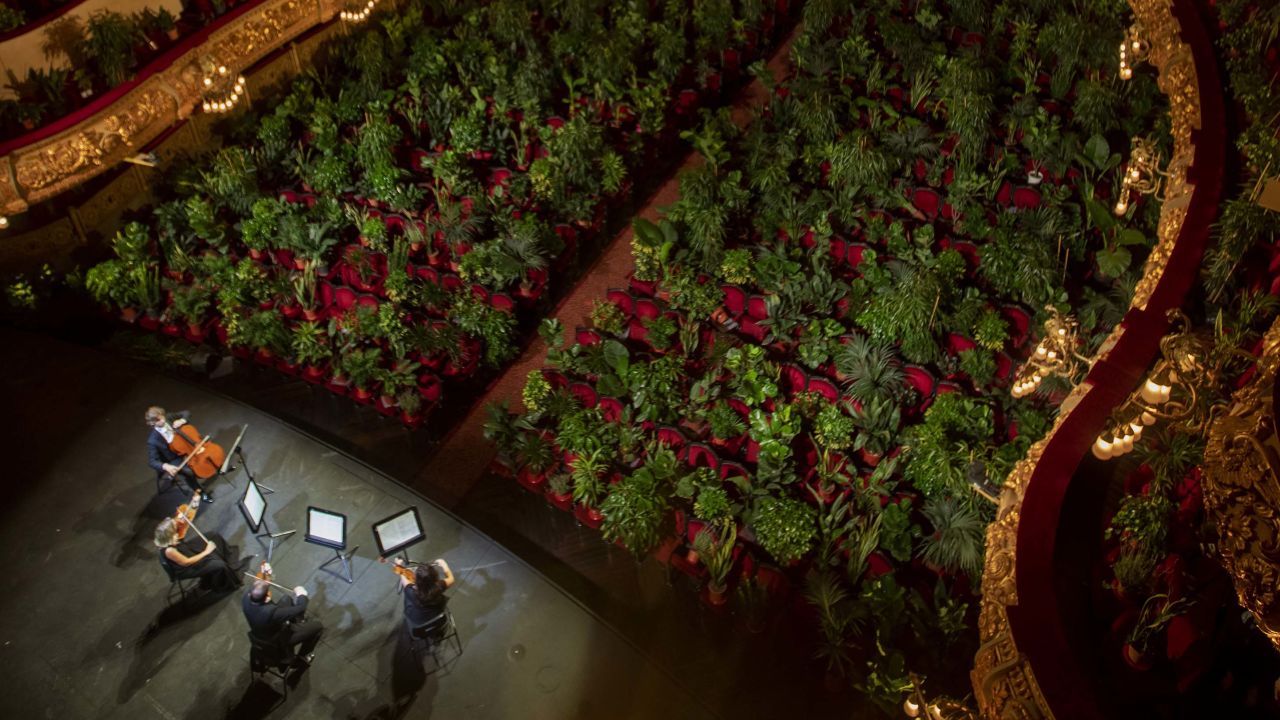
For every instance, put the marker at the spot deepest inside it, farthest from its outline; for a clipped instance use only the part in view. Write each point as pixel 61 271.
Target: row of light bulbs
pixel 229 98
pixel 1132 49
pixel 1028 385
pixel 355 16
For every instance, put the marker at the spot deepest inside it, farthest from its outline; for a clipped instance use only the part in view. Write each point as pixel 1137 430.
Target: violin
pixel 403 571
pixel 264 574
pixel 204 457
pixel 184 517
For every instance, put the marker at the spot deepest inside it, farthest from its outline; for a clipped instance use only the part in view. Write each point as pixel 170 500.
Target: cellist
pixel 164 460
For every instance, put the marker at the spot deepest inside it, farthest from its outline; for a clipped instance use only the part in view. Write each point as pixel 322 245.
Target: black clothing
pixel 417 612
pixel 158 453
pixel 284 623
pixel 214 571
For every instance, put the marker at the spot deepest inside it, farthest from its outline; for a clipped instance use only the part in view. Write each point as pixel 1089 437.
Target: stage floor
pixel 85 631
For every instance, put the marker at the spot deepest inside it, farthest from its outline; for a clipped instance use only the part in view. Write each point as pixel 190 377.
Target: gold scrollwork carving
pixel 1003 681
pixel 44 169
pixel 1242 490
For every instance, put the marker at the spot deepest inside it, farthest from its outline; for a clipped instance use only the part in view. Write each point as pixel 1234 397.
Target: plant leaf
pixel 1113 263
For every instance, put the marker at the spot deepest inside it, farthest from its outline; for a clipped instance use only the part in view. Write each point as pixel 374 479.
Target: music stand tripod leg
pixel 345 558
pixel 271 536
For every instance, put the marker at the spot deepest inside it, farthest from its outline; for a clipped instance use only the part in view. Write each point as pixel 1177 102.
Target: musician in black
pixel 184 553
pixel 424 597
pixel 163 460
pixel 284 622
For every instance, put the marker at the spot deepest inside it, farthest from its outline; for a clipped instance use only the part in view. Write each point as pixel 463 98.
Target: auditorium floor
pixel 85 631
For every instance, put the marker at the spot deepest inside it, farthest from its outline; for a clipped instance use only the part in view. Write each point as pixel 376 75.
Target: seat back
pixel 432 630
pixel 269 653
pixel 168 568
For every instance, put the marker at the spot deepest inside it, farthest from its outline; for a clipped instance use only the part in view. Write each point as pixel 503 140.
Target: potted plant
pixel 588 486
pixel 714 545
pixel 559 492
pixel 401 376
pixel 110 45
pixel 360 368
pixel 1155 615
pixel 784 527
pixel 311 348
pixel 958 540
pixel 106 283
pixel 190 305
pixel 634 511
pixel 313 244
pixel 409 401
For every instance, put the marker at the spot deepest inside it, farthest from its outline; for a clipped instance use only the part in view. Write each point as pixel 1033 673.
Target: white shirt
pixel 166 432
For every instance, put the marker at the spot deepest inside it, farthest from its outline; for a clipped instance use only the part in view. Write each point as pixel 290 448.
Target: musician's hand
pixel 209 546
pixel 300 591
pixel 399 562
pixel 266 567
pixel 179 423
pixel 171 469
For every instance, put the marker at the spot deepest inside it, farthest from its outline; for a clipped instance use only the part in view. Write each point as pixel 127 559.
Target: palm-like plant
pixel 958 541
pixel 871 368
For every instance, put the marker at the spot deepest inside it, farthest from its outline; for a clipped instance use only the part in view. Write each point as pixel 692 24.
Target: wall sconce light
pixel 1055 354
pixel 1171 392
pixel 1133 49
pixel 1141 175
pixel 220 88
pixel 4 222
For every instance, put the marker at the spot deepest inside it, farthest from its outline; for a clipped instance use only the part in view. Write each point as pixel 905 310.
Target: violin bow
pixel 255 577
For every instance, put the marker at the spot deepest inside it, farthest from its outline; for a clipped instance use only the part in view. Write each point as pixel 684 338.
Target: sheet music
pixel 254 502
pixel 327 526
pixel 399 530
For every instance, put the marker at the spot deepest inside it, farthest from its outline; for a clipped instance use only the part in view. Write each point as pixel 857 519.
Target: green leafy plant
pixel 784 527
pixel 958 538
pixel 634 511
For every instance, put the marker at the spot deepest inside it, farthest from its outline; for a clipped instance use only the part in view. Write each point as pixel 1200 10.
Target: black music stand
pixel 395 533
pixel 329 529
pixel 253 505
pixel 238 450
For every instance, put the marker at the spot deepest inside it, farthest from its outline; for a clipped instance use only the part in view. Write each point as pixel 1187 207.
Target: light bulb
pixel 208 82
pixel 1148 418
pixel 1150 391
pixel 222 69
pixel 1040 350
pixel 911 708
pixel 1062 331
pixel 1121 207
pixel 1053 355
pixel 4 222
pixel 1101 449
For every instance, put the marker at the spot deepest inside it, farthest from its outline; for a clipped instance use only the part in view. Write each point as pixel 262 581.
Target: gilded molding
pixel 1242 490
pixel 44 169
pixel 1003 680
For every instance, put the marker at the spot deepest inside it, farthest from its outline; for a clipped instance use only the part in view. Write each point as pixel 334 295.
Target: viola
pixel 205 458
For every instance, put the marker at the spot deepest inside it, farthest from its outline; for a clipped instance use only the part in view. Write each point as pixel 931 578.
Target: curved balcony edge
pixel 48 161
pixel 1023 667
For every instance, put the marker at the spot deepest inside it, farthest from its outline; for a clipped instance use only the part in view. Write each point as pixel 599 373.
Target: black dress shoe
pixel 208 498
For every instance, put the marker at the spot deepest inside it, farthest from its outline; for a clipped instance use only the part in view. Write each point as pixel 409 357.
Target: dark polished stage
pixel 85 631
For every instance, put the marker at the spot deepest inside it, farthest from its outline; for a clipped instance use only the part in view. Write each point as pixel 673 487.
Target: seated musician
pixel 284 622
pixel 161 458
pixel 185 555
pixel 424 598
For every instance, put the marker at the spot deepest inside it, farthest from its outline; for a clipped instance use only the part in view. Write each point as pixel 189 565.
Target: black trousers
pixel 305 635
pixel 188 478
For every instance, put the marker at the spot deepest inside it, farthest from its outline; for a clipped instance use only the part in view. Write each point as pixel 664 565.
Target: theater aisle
pixel 85 630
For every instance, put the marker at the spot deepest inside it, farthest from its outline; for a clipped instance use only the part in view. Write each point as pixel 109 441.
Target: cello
pixel 204 457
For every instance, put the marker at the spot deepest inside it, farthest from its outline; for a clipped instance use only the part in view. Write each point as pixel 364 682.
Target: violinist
pixel 424 586
pixel 187 554
pixel 284 622
pixel 164 460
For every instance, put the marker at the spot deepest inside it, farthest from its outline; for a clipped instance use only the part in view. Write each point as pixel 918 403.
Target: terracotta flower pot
pixel 1135 659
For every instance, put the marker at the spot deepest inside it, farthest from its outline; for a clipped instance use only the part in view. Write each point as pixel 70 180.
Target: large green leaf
pixel 1113 263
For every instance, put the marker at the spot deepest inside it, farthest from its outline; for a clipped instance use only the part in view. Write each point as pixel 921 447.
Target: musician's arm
pixel 448 574
pixel 175 555
pixel 181 418
pixel 288 612
pixel 154 458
